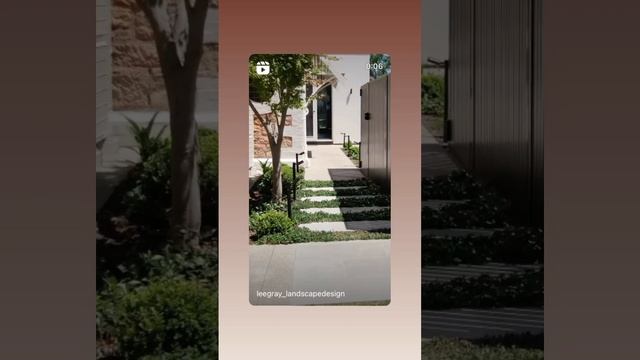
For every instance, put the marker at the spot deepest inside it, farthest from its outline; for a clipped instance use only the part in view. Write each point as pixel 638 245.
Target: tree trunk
pixel 276 178
pixel 180 83
pixel 185 187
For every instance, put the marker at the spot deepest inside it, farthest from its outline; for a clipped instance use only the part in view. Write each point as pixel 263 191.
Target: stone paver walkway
pixel 328 162
pixel 355 270
pixel 358 268
pixel 467 323
pixel 431 274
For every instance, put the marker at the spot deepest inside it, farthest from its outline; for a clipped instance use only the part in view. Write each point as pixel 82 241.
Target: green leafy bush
pixel 433 94
pixel 147 144
pixel 144 197
pixel 263 184
pixel 168 318
pixel 269 222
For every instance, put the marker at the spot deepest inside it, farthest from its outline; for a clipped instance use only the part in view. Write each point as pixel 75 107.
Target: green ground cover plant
pixel 302 217
pixel 370 190
pixel 520 245
pixel 335 183
pixel 458 185
pixel 301 235
pixel 484 211
pixel 519 289
pixel 381 200
pixel 453 349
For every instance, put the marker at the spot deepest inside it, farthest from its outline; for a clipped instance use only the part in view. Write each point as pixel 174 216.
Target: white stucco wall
pixel 352 73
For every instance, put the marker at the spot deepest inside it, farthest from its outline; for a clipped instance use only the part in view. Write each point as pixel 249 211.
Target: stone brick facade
pixel 261 147
pixel 137 78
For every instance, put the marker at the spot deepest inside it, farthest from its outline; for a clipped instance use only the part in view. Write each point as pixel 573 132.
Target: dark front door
pixel 324 113
pixel 309 112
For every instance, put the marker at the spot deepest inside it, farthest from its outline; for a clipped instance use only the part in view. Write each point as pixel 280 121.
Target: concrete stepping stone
pixel 344 210
pixel 479 323
pixel 458 232
pixel 367 225
pixel 333 197
pixel 439 204
pixel 431 274
pixel 324 188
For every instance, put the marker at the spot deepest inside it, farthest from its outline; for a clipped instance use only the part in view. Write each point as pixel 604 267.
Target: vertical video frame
pixel 319 179
pixel 156 179
pixel 482 180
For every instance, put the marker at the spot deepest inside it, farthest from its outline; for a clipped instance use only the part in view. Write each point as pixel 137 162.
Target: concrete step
pixel 479 323
pixel 431 274
pixel 333 197
pixel 368 225
pixel 344 210
pixel 324 188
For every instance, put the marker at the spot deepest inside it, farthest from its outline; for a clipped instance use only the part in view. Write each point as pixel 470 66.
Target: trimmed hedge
pixel 167 318
pixel 519 289
pixel 300 235
pixel 270 222
pixel 511 246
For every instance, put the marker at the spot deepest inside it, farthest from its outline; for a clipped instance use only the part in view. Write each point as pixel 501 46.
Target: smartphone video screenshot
pixel 482 180
pixel 319 179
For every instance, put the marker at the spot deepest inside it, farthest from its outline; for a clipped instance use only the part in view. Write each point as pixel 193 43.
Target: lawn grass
pixel 451 349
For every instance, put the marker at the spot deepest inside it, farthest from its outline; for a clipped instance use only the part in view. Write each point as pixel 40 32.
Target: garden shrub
pixel 263 184
pixel 144 197
pixel 166 319
pixel 433 94
pixel 270 222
